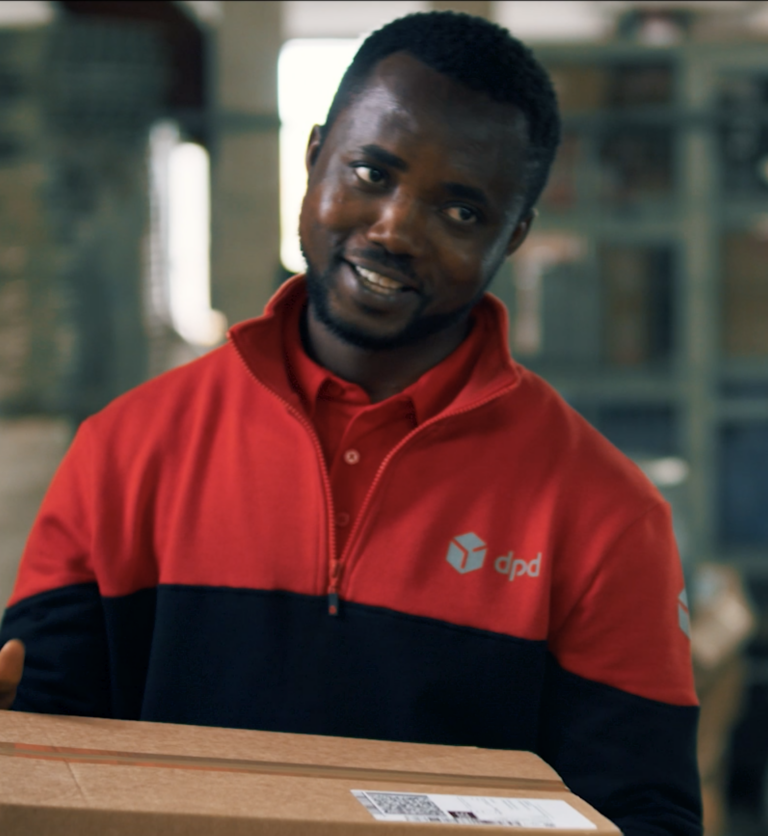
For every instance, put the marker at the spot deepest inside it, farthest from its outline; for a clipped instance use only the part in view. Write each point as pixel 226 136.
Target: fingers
pixel 11 668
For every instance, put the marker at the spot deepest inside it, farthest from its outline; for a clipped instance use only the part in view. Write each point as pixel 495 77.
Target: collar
pixel 483 356
pixel 427 396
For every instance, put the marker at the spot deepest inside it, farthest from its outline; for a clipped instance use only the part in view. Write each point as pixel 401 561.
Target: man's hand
pixel 11 668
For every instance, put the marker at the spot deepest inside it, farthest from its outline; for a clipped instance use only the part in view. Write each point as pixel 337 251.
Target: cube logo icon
pixel 466 553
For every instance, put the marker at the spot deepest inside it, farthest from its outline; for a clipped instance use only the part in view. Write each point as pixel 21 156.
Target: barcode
pixel 529 813
pixel 415 807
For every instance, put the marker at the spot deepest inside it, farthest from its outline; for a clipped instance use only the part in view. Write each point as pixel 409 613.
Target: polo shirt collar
pixel 271 348
pixel 427 396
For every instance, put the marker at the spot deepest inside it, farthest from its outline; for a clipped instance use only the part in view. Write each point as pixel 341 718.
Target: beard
pixel 418 328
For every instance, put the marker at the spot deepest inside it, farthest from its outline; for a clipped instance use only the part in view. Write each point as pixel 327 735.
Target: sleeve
pixel 56 608
pixel 619 712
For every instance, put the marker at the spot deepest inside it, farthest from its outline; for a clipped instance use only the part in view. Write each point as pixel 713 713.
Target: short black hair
pixel 479 54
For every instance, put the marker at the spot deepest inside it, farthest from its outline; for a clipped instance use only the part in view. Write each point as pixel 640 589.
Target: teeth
pixel 379 281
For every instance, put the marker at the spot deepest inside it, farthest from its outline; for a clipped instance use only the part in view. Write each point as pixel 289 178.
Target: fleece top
pixel 356 434
pixel 510 581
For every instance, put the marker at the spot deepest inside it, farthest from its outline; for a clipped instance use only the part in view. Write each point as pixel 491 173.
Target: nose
pixel 400 225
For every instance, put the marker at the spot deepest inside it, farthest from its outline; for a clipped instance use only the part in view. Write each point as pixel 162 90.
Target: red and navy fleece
pixel 510 580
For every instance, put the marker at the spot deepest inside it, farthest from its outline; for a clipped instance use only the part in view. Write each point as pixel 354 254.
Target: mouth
pixel 379 283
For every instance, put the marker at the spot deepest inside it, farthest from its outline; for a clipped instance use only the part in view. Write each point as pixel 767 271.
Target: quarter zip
pixel 334 564
pixel 358 524
pixel 337 563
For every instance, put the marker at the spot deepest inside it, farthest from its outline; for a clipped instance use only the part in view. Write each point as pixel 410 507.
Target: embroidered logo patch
pixel 507 564
pixel 466 553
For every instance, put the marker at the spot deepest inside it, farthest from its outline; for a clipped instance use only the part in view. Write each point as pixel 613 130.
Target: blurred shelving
pixel 642 296
pixel 642 293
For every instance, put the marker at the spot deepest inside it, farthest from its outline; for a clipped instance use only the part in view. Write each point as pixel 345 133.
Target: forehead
pixel 426 114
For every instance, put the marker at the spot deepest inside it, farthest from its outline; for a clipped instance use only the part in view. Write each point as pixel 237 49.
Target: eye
pixel 368 174
pixel 462 214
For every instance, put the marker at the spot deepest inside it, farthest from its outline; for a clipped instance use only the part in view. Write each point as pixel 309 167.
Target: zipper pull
pixel 333 588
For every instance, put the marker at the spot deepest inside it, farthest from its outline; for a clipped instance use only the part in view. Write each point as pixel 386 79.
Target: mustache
pixel 399 263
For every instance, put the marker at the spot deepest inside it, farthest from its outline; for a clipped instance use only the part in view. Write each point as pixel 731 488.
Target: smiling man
pixel 416 196
pixel 362 517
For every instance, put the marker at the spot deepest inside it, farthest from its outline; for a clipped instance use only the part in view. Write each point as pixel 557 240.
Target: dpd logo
pixel 466 553
pixel 507 565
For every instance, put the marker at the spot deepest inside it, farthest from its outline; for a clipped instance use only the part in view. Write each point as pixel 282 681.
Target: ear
pixel 520 232
pixel 313 147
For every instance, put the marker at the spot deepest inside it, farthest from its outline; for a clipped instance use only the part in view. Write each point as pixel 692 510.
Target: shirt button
pixel 351 456
pixel 342 519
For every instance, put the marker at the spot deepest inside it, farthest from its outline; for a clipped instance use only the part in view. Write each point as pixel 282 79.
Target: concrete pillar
pixel 245 219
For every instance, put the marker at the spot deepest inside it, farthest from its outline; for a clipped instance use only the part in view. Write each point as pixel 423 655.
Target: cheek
pixel 466 261
pixel 464 268
pixel 330 207
pixel 494 253
pixel 333 207
pixel 321 222
pixel 494 256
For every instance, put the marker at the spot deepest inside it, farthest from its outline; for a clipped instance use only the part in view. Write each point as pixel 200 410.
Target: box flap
pixel 87 776
pixel 87 739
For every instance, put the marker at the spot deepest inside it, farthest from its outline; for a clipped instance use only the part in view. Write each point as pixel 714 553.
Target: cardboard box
pixel 745 294
pixel 723 621
pixel 637 294
pixel 580 88
pixel 85 776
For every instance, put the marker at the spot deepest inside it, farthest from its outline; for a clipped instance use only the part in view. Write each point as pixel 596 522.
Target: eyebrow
pixel 467 192
pixel 384 157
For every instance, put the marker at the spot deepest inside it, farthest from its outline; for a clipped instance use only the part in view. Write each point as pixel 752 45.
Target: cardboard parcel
pixel 85 776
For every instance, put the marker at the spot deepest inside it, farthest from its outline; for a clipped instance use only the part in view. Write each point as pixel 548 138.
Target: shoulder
pixel 164 406
pixel 587 464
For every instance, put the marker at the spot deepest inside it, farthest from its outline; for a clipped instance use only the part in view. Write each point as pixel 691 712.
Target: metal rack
pixel 701 388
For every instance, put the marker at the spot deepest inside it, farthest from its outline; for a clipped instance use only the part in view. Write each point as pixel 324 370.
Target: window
pixel 309 71
pixel 180 281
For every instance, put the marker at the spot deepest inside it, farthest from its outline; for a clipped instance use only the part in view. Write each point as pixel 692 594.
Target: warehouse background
pixel 147 150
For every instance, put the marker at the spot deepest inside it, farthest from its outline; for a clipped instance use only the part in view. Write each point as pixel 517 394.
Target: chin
pixel 320 290
pixel 414 331
pixel 353 333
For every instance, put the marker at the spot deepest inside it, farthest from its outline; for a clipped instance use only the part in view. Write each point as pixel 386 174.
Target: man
pixel 361 517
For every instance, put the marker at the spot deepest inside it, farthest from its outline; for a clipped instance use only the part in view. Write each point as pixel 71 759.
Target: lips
pixel 379 283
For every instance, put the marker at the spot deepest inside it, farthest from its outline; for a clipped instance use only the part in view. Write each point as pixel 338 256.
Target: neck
pixel 381 373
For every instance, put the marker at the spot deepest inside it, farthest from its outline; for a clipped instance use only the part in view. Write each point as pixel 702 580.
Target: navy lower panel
pixel 648 783
pixel 66 670
pixel 278 661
